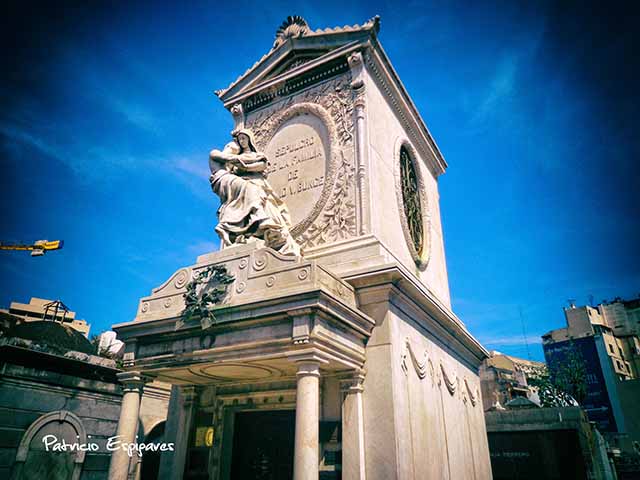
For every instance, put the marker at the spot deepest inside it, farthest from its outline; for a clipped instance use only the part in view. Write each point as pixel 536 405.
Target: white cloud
pixel 511 340
pixel 499 92
pixel 500 89
pixel 135 114
pixel 192 171
pixel 202 247
pixel 21 136
pixel 196 165
pixel 92 162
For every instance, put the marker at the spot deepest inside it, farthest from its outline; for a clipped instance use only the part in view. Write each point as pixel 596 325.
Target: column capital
pixel 306 369
pixel 189 394
pixel 352 383
pixel 132 381
pixel 308 355
pixel 308 362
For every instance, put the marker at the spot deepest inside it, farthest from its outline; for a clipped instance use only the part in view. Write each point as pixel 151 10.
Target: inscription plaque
pixel 298 164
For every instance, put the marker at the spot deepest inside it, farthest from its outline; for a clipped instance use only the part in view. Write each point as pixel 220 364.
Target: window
pixel 411 199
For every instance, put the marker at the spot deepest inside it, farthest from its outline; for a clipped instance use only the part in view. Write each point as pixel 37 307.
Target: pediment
pixel 294 59
pixel 295 46
pixel 301 57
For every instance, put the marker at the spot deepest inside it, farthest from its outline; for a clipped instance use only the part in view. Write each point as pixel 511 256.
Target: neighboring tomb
pixel 528 443
pixel 52 384
pixel 345 361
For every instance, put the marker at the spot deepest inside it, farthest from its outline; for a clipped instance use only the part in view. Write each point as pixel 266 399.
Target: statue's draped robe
pixel 250 208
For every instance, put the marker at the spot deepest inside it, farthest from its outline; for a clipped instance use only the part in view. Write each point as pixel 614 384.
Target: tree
pixel 564 382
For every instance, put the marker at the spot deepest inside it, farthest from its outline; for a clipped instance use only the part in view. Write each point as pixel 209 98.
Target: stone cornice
pixel 76 368
pixel 274 83
pixel 66 385
pixel 311 39
pixel 386 77
pixel 255 82
pixel 393 283
pixel 319 300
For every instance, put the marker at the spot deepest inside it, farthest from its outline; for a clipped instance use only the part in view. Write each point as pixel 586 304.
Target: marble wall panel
pixel 384 132
pixel 436 414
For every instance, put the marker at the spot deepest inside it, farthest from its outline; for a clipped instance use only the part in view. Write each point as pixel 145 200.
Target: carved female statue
pixel 248 205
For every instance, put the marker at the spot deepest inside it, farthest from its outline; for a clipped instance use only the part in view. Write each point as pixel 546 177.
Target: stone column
pixel 353 466
pixel 133 383
pixel 178 427
pixel 356 64
pixel 306 461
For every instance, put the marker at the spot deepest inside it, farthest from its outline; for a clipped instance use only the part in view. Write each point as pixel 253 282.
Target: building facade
pixel 504 377
pixel 39 309
pixel 346 362
pixel 605 338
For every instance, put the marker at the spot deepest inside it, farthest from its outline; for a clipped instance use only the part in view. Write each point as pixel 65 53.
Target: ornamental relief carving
pixel 420 366
pixel 335 96
pixel 423 365
pixel 451 380
pixel 338 220
pixel 333 215
pixel 474 393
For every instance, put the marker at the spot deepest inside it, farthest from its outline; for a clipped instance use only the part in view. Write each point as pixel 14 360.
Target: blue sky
pixel 109 112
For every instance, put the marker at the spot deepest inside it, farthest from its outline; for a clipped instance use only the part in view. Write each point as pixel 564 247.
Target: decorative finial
pixel 375 21
pixel 293 26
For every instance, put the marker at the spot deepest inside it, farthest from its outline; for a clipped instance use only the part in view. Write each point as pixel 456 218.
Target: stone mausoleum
pixel 345 361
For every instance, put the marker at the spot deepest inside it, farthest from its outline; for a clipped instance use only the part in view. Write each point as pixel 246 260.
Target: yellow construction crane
pixel 38 248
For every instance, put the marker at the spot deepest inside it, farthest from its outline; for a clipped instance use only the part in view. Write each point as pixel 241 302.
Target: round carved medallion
pixel 301 143
pixel 298 163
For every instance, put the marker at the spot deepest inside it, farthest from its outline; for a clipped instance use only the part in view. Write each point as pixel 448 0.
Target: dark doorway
pixel 263 445
pixel 151 459
pixel 534 455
